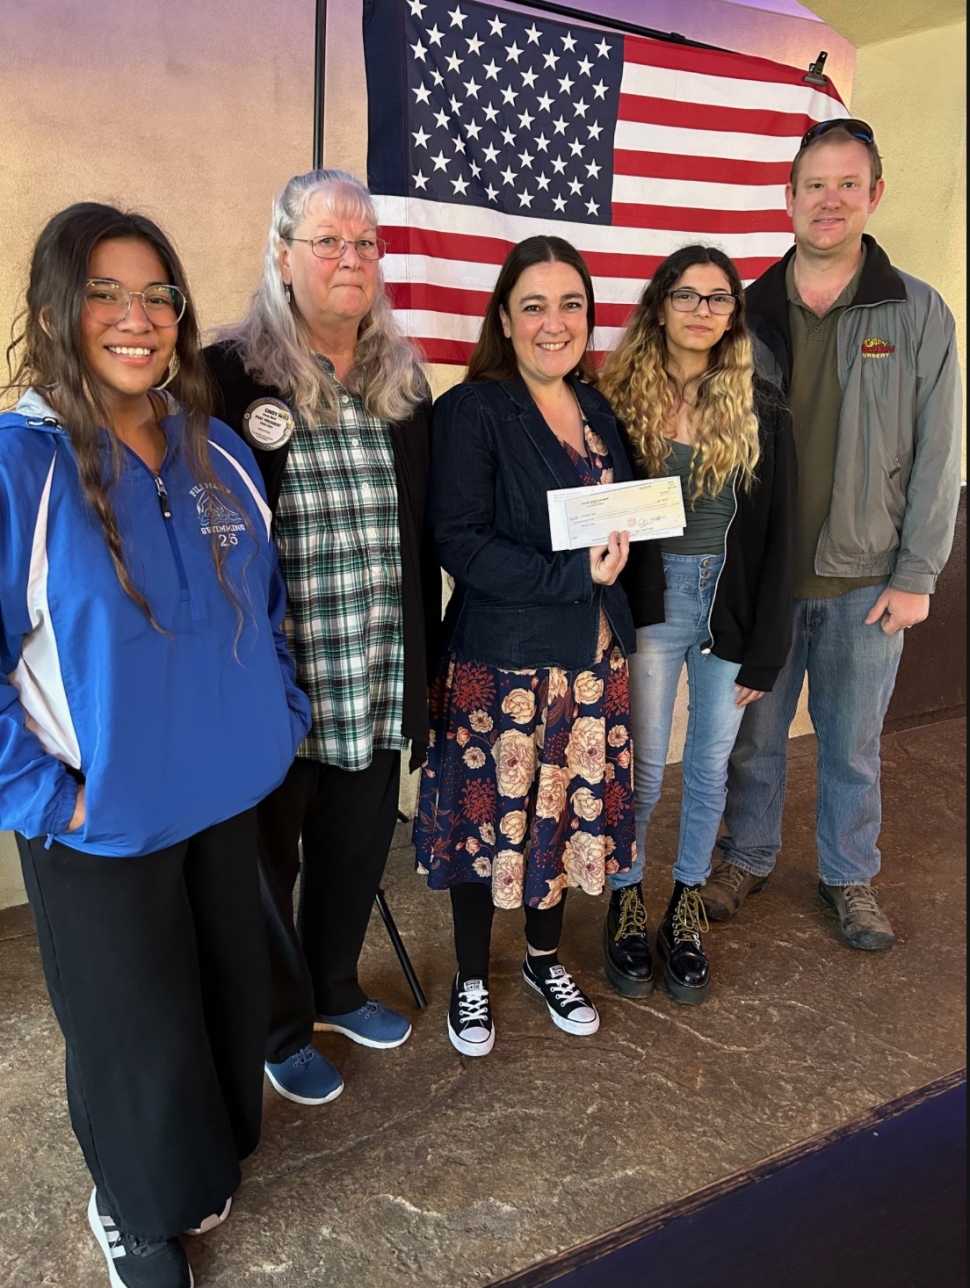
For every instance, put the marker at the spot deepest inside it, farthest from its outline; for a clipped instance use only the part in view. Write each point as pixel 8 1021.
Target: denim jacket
pixel 517 603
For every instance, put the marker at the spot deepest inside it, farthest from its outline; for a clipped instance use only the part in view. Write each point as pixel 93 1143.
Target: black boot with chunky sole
pixel 687 972
pixel 629 966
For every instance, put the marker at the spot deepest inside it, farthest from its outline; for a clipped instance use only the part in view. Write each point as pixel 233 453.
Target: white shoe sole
pixel 578 1028
pixel 211 1222
pixel 471 1048
pixel 97 1229
pixel 302 1100
pixel 322 1027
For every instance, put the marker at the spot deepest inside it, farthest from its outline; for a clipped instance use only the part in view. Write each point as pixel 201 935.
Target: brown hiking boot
pixel 862 923
pixel 726 889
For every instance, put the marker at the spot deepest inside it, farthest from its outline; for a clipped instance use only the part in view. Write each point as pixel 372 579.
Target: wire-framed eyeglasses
pixel 684 300
pixel 110 302
pixel 334 247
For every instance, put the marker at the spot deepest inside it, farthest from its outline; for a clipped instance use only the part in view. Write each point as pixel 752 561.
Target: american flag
pixel 487 126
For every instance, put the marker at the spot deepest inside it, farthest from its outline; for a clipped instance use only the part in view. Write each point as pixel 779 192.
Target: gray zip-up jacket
pixel 897 461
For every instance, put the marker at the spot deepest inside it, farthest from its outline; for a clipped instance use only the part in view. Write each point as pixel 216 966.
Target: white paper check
pixel 585 516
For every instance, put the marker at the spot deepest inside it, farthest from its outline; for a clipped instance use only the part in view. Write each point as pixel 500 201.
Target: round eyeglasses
pixel 334 247
pixel 110 302
pixel 683 300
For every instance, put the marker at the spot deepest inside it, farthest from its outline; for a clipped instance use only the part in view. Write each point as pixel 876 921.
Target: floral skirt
pixel 528 783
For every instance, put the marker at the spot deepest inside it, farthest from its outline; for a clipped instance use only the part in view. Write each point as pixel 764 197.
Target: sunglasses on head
pixel 858 129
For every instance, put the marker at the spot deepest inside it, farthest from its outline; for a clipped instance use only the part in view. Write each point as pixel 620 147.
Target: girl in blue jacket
pixel 147 703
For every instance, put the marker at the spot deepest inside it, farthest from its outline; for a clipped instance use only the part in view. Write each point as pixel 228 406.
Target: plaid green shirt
pixel 337 531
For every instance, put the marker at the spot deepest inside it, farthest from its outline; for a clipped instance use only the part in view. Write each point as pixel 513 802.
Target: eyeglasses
pixel 684 300
pixel 858 129
pixel 334 247
pixel 110 302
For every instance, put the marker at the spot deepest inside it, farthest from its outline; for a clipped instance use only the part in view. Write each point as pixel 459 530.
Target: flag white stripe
pixel 444 218
pixel 641 136
pixel 692 195
pixel 727 91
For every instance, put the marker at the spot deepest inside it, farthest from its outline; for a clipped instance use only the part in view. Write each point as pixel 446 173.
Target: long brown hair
pixel 493 357
pixel 45 353
pixel 645 396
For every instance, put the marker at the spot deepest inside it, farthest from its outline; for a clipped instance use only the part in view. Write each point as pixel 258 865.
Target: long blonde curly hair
pixel 645 395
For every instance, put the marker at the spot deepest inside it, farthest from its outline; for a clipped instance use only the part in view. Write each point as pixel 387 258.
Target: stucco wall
pixel 912 90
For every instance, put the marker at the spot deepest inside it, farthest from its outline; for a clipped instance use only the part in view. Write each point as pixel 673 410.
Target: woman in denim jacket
pixel 527 790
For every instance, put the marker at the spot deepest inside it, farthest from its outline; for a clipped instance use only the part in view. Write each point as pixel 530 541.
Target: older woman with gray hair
pixel 330 396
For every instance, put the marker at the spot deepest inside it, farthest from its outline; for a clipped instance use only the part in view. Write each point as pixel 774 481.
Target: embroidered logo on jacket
pixel 215 516
pixel 876 348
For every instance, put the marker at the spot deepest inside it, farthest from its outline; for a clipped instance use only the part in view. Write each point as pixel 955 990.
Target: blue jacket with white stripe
pixel 171 730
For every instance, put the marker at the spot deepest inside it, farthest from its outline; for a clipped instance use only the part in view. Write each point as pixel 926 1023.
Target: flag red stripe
pixel 685 219
pixel 421 242
pixel 703 116
pixel 667 165
pixel 713 62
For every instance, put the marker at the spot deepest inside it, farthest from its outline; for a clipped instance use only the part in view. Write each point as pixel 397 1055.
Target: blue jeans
pixel 712 720
pixel 851 673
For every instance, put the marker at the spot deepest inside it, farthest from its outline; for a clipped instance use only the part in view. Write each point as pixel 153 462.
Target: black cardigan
pixel 751 619
pixel 234 390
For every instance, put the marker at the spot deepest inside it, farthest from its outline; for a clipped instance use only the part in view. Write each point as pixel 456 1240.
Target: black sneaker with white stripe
pixel 137 1263
pixel 570 1008
pixel 470 1024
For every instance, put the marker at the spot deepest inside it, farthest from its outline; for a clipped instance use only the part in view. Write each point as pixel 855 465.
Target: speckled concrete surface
pixel 435 1170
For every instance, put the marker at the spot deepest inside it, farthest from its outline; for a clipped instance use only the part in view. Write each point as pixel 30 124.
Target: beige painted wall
pixel 194 113
pixel 912 90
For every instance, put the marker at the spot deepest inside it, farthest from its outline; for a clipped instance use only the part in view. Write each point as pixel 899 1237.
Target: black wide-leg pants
pixel 346 820
pixel 157 972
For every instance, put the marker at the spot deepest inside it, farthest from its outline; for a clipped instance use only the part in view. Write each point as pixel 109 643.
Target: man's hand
pixel 897 609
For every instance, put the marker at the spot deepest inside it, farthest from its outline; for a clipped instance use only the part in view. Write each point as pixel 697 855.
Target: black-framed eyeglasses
pixel 334 247
pixel 858 129
pixel 110 302
pixel 684 300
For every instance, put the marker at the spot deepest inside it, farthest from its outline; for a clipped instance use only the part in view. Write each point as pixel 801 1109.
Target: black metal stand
pixel 402 952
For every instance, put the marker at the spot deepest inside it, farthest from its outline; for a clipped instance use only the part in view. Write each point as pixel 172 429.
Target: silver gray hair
pixel 273 339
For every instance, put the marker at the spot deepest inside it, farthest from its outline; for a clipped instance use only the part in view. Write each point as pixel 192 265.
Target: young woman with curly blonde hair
pixel 682 383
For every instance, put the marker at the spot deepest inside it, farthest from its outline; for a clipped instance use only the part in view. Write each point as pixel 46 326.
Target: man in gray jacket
pixel 867 357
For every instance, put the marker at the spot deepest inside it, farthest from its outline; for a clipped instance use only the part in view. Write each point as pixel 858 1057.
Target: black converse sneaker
pixel 570 1008
pixel 470 1024
pixel 137 1263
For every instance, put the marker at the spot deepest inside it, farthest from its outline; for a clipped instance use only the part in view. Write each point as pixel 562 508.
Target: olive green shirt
pixel 815 399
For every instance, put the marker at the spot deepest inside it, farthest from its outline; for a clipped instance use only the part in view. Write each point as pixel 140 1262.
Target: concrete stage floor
pixel 435 1170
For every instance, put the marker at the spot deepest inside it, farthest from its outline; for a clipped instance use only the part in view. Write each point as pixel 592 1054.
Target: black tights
pixel 472 910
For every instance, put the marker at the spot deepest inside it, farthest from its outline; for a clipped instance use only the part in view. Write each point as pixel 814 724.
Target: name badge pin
pixel 268 423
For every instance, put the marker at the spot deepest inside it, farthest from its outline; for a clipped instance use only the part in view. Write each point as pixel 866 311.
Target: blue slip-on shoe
pixel 306 1078
pixel 373 1025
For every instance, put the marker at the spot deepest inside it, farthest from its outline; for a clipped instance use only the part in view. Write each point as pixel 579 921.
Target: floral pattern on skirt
pixel 529 779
